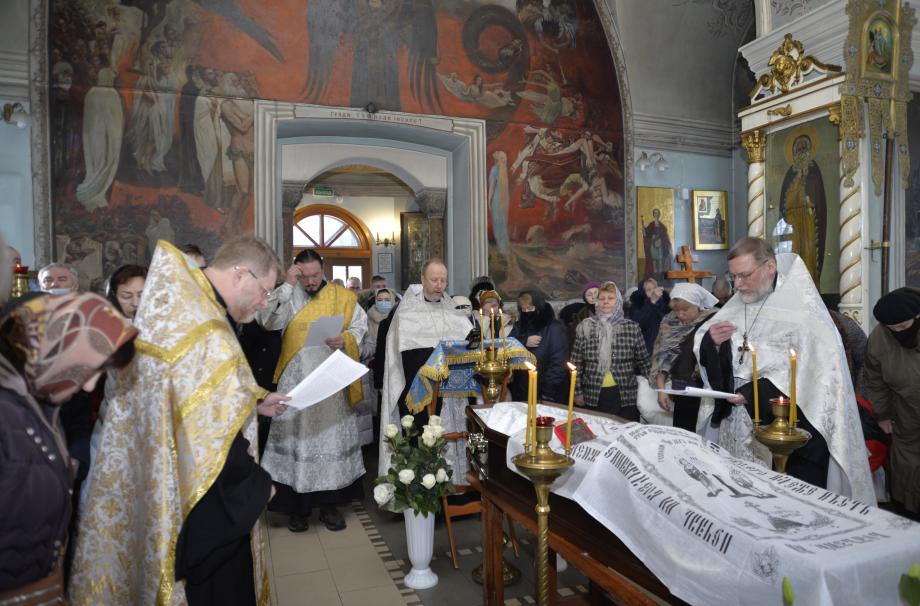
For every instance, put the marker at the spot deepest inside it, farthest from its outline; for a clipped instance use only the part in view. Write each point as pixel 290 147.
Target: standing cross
pixel 687 273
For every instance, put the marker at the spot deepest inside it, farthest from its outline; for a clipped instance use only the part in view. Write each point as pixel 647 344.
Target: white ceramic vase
pixel 420 541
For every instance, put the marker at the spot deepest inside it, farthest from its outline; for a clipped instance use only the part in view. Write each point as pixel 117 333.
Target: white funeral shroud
pixel 794 316
pixel 417 324
pixel 716 529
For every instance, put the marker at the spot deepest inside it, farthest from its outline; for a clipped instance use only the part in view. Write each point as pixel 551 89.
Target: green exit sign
pixel 323 190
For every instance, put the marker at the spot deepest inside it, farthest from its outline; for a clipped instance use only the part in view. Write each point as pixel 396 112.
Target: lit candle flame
pixel 530 365
pixel 569 364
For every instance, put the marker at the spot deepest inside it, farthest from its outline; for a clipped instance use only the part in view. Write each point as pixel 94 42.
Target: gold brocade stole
pixel 330 301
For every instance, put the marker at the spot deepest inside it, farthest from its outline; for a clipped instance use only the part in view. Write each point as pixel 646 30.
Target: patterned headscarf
pixel 605 325
pixel 65 340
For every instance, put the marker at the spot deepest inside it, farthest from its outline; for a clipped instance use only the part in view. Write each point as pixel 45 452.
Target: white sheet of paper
pixel 336 373
pixel 322 328
pixel 696 392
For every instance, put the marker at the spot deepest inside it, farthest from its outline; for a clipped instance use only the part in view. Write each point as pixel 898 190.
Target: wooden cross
pixel 687 273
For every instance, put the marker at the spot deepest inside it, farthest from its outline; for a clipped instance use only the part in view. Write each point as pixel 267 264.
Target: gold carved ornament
pixel 884 91
pixel 755 143
pixel 788 65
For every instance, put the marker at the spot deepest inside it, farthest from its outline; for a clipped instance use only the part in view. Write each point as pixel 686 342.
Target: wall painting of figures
pixel 152 118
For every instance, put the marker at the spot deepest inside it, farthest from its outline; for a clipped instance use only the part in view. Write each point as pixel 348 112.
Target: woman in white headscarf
pixel 672 356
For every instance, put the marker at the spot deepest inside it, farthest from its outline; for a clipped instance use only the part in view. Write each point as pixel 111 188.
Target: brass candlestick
pixel 493 367
pixel 20 281
pixel 780 436
pixel 542 467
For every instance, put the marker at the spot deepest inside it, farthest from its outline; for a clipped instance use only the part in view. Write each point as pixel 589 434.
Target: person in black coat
pixel 41 367
pixel 545 337
pixel 647 306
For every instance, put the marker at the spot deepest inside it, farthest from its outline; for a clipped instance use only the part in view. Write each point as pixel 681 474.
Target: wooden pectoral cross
pixel 687 273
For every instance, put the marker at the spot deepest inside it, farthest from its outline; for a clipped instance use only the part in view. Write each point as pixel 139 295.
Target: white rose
pixel 383 493
pixel 434 420
pixel 428 481
pixel 441 476
pixel 407 421
pixel 391 431
pixel 406 476
pixel 437 430
pixel 429 439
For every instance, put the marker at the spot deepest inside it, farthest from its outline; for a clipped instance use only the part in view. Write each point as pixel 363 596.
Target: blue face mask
pixel 59 291
pixel 384 307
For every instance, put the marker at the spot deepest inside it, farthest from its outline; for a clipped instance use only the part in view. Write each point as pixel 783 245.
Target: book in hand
pixel 580 432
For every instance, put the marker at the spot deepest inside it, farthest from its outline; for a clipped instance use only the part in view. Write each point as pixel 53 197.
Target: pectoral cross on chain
pixel 743 349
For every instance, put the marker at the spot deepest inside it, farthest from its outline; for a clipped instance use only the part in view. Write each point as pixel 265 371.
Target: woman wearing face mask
pixel 50 348
pixel 891 380
pixel 609 352
pixel 545 337
pixel 125 288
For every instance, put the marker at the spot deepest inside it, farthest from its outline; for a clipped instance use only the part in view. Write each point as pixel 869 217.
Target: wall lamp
pixel 386 242
pixel 15 113
pixel 656 160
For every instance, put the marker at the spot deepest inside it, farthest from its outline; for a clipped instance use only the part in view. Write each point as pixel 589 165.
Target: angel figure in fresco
pixel 549 104
pixel 150 133
pixel 499 196
pixel 377 29
pixel 803 205
pixel 488 95
pixel 238 114
pixel 103 127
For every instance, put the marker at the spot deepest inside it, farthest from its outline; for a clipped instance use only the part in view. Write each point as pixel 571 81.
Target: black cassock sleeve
pixel 412 361
pixel 809 463
pixel 215 536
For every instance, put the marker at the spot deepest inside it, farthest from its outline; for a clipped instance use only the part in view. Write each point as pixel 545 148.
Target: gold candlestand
pixel 542 467
pixel 20 284
pixel 780 436
pixel 493 367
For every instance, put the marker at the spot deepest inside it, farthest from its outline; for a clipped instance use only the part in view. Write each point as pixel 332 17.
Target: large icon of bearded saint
pixel 803 206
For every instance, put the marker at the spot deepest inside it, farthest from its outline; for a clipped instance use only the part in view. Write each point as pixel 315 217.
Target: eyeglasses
pixel 733 278
pixel 267 293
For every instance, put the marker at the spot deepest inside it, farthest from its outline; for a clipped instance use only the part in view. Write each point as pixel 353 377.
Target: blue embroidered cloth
pixel 455 366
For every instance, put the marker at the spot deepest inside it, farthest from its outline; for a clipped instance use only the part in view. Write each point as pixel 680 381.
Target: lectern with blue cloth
pixel 451 371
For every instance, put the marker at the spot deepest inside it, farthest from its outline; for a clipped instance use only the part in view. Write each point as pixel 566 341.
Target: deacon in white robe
pixel 313 455
pixel 777 308
pixel 425 317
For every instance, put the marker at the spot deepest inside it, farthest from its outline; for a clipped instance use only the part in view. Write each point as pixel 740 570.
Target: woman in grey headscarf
pixel 609 352
pixel 672 356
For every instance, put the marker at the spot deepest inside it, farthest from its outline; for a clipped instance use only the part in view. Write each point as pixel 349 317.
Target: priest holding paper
pixel 776 309
pixel 314 454
pixel 426 316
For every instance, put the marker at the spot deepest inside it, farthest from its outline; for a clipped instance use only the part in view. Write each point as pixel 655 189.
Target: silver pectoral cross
pixel 743 348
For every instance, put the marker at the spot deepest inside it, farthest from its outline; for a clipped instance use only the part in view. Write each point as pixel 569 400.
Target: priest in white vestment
pixel 314 454
pixel 425 317
pixel 776 309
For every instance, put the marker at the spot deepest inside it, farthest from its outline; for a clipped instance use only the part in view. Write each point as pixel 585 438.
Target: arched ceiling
pixel 680 60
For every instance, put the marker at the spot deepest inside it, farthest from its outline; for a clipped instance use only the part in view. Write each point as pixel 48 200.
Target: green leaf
pixel 788 595
pixel 914 570
pixel 909 589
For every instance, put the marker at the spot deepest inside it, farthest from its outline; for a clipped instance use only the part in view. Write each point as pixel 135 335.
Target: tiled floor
pixel 366 563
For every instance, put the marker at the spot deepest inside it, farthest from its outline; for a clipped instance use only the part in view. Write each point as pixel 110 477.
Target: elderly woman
pixel 125 288
pixel 50 348
pixel 609 352
pixel 673 358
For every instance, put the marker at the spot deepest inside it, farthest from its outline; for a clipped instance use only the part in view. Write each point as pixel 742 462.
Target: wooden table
pixel 583 541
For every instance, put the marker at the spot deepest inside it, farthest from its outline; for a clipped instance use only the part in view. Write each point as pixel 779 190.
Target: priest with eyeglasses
pixel 776 309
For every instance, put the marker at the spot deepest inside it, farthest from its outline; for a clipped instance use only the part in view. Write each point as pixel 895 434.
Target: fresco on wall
pixel 152 117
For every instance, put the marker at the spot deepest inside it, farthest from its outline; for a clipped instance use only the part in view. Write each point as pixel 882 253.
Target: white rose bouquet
pixel 418 476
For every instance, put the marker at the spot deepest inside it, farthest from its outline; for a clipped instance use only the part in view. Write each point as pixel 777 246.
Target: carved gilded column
pixel 851 243
pixel 754 142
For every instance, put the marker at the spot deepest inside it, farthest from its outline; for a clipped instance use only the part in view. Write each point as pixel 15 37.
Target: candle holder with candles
pixel 493 367
pixel 542 466
pixel 781 436
pixel 20 284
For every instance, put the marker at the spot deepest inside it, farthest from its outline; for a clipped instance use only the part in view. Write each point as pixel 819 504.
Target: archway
pixel 340 238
